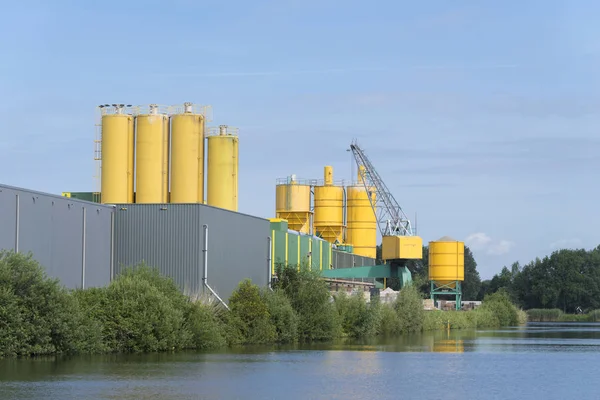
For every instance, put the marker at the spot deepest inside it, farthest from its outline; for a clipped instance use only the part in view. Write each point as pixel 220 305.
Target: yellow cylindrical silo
pixel 117 152
pixel 361 231
pixel 446 261
pixel 152 157
pixel 222 170
pixel 187 157
pixel 329 209
pixel 292 203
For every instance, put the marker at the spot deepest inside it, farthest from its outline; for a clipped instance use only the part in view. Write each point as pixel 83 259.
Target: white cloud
pixel 482 242
pixel 566 244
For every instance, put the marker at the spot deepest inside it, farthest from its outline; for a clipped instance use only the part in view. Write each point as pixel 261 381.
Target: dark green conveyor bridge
pixel 373 271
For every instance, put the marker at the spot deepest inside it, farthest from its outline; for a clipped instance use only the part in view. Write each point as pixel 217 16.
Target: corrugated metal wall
pixel 293 248
pixel 53 229
pixel 170 238
pixel 341 259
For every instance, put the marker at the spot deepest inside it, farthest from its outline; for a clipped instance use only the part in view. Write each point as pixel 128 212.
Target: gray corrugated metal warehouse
pixel 70 238
pixel 87 244
pixel 171 238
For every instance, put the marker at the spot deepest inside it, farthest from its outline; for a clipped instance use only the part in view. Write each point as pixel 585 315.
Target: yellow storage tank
pixel 329 209
pixel 401 247
pixel 446 261
pixel 361 231
pixel 152 157
pixel 292 203
pixel 222 170
pixel 117 154
pixel 187 157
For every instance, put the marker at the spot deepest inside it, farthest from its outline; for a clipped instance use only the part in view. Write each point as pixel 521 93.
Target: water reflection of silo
pixel 351 363
pixel 449 346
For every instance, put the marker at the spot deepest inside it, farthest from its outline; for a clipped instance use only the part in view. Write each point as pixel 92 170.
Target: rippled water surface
pixel 539 361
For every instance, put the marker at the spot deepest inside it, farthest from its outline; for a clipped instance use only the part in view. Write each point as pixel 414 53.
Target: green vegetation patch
pixel 143 311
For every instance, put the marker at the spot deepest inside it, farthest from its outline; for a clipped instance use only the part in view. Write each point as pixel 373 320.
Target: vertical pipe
pixel 312 215
pixel 320 255
pixel 112 244
pixel 17 216
pixel 272 252
pixel 269 250
pixel 344 214
pixel 205 257
pixel 310 254
pixel 83 249
pixel 287 241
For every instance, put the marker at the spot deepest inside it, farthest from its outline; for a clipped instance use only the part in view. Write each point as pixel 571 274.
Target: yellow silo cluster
pixel 339 214
pixel 156 155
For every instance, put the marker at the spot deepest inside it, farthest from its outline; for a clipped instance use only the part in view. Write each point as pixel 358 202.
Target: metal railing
pixel 221 129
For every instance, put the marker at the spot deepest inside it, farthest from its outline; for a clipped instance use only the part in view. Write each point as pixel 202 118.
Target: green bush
pixel 594 316
pixel 205 325
pixel 283 317
pixel 142 311
pixel 141 317
pixel 309 296
pixel 389 324
pixel 501 308
pixel 544 315
pixel 250 314
pixel 556 315
pixel 358 318
pixel 409 307
pixel 38 315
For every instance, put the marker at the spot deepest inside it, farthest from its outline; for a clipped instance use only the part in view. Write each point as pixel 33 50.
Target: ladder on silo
pixel 98 155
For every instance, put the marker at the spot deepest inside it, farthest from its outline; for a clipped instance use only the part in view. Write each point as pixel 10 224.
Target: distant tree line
pixel 568 280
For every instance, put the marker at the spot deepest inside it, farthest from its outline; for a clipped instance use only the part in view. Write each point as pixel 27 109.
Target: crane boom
pixel 390 217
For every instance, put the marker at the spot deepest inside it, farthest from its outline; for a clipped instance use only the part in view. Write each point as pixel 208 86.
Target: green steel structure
pixel 453 288
pixel 293 248
pixel 375 271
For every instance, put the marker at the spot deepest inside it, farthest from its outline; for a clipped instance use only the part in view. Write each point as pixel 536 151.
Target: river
pixel 537 361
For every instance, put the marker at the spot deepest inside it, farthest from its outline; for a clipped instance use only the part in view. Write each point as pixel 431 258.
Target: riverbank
pixel 556 315
pixel 141 311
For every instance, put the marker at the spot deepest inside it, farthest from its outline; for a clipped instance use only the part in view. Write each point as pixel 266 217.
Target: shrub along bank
pixel 142 311
pixel 556 315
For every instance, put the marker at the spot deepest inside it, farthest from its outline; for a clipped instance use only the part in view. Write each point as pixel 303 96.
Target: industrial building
pixel 155 206
pixel 168 196
pixel 71 238
pixel 86 244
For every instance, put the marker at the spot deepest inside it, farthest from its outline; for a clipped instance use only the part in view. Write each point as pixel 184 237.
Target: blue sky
pixel 482 117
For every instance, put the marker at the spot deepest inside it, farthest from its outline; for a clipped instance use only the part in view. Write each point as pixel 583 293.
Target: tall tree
pixel 566 279
pixel 472 282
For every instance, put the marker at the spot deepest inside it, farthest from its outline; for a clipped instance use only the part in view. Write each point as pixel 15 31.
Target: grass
pixel 556 315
